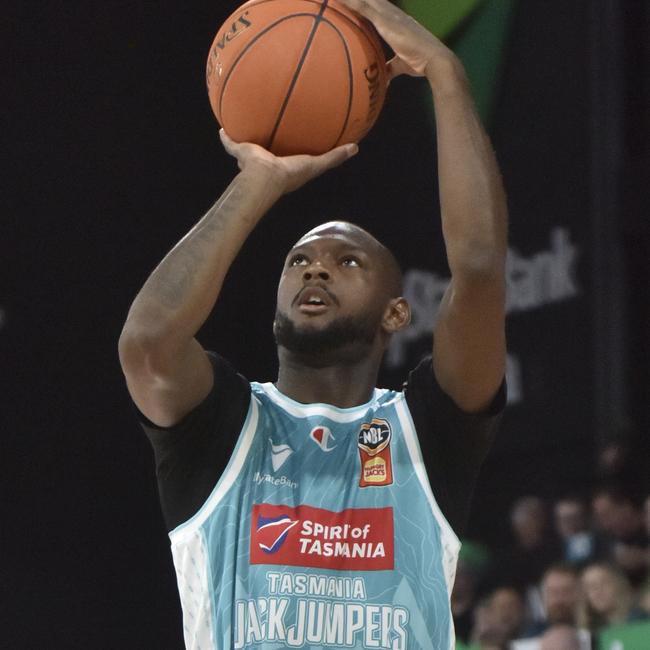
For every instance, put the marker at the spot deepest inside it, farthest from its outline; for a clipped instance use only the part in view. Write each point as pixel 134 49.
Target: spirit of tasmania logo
pixel 272 532
pixel 357 539
pixel 374 452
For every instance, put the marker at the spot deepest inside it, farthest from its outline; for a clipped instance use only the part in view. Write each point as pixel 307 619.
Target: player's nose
pixel 316 271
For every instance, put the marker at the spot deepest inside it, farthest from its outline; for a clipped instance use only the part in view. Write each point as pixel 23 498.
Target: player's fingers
pixel 336 157
pixel 374 10
pixel 362 7
pixel 397 67
pixel 389 21
pixel 228 143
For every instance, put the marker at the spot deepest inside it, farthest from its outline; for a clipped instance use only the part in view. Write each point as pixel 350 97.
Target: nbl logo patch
pixel 374 452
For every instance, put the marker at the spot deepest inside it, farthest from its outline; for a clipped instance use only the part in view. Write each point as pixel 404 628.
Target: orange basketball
pixel 296 76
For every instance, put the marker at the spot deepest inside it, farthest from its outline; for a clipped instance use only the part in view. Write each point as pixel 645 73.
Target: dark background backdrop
pixel 112 154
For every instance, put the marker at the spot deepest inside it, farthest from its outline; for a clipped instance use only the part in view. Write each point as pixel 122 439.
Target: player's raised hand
pixel 415 47
pixel 291 172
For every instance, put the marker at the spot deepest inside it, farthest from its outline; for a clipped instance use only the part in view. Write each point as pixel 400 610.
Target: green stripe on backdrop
pixel 440 16
pixel 477 30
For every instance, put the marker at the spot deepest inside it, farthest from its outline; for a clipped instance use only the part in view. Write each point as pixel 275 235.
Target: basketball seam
pixel 350 79
pixel 345 17
pixel 317 21
pixel 245 49
pixel 372 42
pixel 376 46
pixel 362 31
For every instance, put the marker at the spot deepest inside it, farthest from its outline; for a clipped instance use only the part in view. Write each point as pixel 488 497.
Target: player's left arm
pixel 469 351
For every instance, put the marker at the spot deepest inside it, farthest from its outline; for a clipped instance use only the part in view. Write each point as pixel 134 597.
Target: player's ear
pixel 397 315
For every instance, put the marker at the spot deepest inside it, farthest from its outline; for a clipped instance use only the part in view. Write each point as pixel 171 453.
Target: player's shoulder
pixel 422 386
pixel 421 379
pixel 225 371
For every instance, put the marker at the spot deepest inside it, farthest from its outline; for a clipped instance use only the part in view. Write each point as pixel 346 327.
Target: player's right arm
pixel 166 369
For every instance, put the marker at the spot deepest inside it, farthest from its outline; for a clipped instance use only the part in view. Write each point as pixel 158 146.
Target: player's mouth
pixel 314 300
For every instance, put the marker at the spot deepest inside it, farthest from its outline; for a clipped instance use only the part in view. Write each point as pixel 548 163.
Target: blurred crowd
pixel 575 566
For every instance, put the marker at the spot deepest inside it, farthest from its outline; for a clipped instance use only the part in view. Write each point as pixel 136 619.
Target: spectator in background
pixel 529 521
pixel 618 516
pixel 560 637
pixel 615 513
pixel 580 544
pixel 625 458
pixel 535 548
pixel 486 634
pixel 607 599
pixel 613 460
pixel 506 608
pixel 560 599
pixel 498 620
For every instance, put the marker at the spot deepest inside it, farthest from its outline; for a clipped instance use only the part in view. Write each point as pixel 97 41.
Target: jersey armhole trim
pixel 451 543
pixel 227 479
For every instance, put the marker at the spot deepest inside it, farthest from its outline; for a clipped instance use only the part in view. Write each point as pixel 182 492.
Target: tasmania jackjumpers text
pixel 316 619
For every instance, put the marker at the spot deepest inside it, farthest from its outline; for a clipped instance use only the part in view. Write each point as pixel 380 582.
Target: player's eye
pixel 298 260
pixel 350 261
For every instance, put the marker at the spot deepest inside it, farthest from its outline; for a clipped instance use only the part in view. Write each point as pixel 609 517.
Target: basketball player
pixel 319 511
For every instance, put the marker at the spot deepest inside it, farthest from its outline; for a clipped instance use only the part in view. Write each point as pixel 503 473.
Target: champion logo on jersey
pixel 356 539
pixel 279 455
pixel 271 532
pixel 322 437
pixel 374 453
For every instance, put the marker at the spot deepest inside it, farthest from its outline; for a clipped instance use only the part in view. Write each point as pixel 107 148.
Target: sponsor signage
pixel 357 539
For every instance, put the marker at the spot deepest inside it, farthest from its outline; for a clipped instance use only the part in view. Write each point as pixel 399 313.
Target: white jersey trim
pixel 413 445
pixel 185 530
pixel 193 577
pixel 449 540
pixel 334 413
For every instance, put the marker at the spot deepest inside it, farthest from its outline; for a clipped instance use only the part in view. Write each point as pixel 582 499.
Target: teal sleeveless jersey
pixel 322 532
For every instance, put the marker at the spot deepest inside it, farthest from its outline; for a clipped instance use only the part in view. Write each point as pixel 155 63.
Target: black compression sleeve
pixel 454 444
pixel 191 456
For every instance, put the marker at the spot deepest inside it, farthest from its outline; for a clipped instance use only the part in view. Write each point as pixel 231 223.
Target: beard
pixel 341 333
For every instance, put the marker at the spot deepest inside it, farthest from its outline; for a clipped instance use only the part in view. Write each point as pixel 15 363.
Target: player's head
pixel 339 292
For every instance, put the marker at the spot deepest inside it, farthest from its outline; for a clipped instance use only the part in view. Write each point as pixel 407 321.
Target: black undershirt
pixel 191 456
